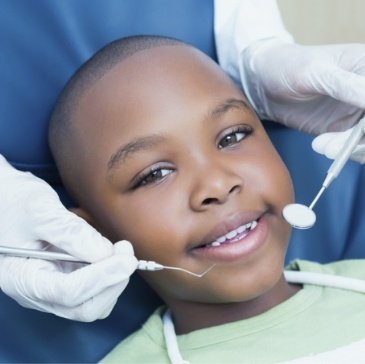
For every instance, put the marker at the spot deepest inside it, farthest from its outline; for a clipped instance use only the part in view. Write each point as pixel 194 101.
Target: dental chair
pixel 42 43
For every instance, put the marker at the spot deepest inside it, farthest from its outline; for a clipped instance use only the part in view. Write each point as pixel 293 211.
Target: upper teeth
pixel 230 235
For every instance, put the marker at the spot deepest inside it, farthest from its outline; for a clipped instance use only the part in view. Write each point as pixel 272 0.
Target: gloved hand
pixel 316 89
pixel 32 217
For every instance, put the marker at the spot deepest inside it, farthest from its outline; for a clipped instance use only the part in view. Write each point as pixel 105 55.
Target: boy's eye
pixel 152 176
pixel 234 136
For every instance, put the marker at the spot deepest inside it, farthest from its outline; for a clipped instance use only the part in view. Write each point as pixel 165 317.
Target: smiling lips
pixel 238 243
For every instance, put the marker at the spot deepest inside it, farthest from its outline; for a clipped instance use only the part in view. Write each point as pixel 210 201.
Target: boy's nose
pixel 214 186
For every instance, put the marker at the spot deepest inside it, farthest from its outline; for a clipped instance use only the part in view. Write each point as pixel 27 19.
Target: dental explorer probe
pixel 147 265
pixel 303 217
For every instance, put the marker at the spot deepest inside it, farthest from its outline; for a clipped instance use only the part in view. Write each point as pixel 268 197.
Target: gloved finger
pixel 15 275
pixel 330 144
pixel 69 232
pixel 100 306
pixel 97 307
pixel 81 285
pixel 320 142
pixel 342 85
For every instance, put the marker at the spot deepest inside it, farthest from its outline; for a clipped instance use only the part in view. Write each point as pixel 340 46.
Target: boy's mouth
pixel 234 239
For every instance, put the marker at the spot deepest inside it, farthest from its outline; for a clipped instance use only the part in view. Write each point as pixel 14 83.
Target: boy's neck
pixel 190 316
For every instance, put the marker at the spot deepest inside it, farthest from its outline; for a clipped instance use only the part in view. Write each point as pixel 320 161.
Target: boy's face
pixel 175 159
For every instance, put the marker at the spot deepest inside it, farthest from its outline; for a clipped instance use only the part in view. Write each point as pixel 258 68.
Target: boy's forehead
pixel 175 62
pixel 161 76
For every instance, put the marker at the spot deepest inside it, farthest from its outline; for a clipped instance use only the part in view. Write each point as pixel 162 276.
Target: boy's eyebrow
pixel 149 141
pixel 132 147
pixel 228 105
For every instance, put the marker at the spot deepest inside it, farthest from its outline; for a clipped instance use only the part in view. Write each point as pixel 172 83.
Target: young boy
pixel 160 148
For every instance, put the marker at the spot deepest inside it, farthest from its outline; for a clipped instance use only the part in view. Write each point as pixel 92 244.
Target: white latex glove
pixel 316 89
pixel 32 217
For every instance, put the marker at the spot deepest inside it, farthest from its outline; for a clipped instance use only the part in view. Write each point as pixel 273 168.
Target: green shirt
pixel 315 320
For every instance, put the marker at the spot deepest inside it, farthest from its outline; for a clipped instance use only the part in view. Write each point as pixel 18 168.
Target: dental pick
pixel 146 265
pixel 153 266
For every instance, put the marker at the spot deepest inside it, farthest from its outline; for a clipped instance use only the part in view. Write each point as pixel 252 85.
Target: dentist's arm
pixel 316 89
pixel 32 217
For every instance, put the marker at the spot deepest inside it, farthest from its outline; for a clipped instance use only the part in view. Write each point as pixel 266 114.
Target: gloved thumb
pixel 124 250
pixel 123 247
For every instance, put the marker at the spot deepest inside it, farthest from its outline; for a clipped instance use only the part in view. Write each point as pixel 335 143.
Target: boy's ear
pixel 84 215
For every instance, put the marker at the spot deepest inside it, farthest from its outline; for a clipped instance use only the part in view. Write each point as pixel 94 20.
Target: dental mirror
pixel 303 217
pixel 299 216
